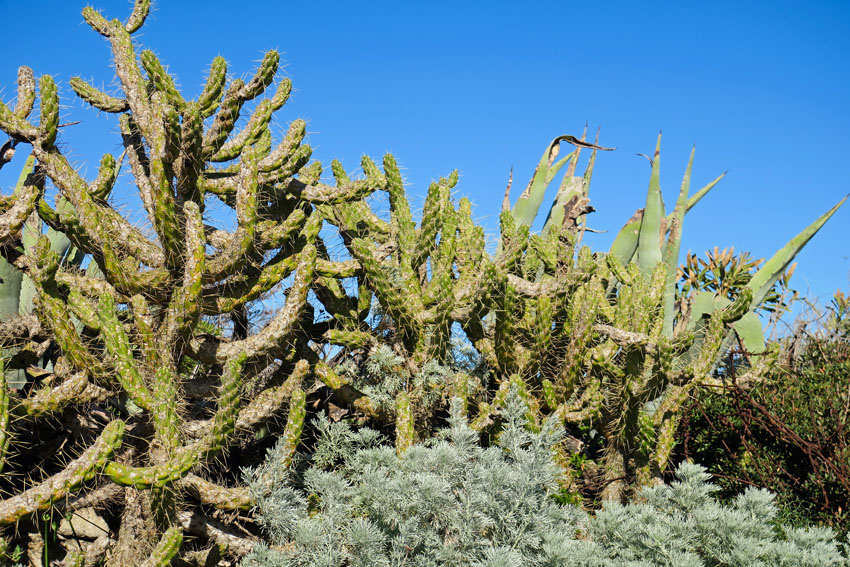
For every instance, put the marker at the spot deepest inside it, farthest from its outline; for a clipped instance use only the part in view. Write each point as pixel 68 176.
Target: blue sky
pixel 761 88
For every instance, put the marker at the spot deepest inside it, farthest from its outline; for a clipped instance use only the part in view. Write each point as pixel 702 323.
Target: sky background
pixel 761 88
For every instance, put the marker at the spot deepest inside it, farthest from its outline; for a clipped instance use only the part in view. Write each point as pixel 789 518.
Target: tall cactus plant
pixel 133 339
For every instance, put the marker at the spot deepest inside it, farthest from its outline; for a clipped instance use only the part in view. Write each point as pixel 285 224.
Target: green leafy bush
pixel 453 502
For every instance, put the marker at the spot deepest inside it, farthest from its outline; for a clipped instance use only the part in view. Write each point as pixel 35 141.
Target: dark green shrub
pixel 789 432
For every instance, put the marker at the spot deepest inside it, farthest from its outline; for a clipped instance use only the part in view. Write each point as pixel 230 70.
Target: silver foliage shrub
pixel 453 502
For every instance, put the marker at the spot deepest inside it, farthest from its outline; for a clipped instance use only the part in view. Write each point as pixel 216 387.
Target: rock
pixel 85 523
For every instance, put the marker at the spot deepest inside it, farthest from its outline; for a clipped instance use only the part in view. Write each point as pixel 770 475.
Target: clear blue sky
pixel 761 88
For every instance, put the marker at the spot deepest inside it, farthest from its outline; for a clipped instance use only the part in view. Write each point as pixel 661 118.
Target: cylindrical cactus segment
pixel 141 8
pixel 166 548
pixel 294 426
pixel 26 92
pixel 210 97
pixel 160 78
pixel 96 20
pixel 405 432
pixel 97 98
pixel 5 432
pixel 106 176
pixel 48 126
pixel 263 78
pixel 118 346
pixel 72 477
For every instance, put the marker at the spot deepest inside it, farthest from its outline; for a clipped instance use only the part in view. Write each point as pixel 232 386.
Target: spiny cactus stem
pixel 97 98
pixel 71 478
pixel 294 426
pixel 220 497
pixel 405 433
pixel 166 548
pixel 5 432
pixel 118 346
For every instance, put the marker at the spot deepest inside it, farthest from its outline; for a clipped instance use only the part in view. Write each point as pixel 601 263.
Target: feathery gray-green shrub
pixel 454 502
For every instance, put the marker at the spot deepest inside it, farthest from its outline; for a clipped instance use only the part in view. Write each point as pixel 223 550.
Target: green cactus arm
pixel 71 478
pixel 160 79
pixel 346 393
pixel 429 226
pixel 25 98
pixel 215 495
pixel 107 173
pixel 127 69
pixel 97 98
pixel 166 548
pixel 137 17
pixel 159 475
pixel 53 313
pixel 321 194
pixel 190 163
pixel 243 238
pixel 294 425
pixel 263 77
pixel 225 119
pixel 400 306
pixel 649 237
pixel 52 398
pixel 400 210
pixel 48 126
pixel 185 306
pixel 210 97
pixel 118 346
pixel 232 295
pixel 764 279
pixel 350 338
pixel 278 157
pixel 13 218
pixel 5 431
pixel 405 432
pixel 15 126
pixel 273 335
pixel 262 407
pixel 257 123
pixel 291 166
pixel 671 248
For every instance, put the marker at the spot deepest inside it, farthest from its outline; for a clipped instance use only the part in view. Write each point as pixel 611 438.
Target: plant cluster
pixel 452 502
pixel 134 389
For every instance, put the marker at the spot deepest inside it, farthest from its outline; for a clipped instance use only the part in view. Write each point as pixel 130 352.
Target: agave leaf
pixel 572 187
pixel 751 333
pixel 649 237
pixel 528 205
pixel 772 270
pixel 671 248
pixel 625 244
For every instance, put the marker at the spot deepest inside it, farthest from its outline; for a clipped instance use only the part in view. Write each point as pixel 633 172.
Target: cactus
pixel 130 333
pixel 607 341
